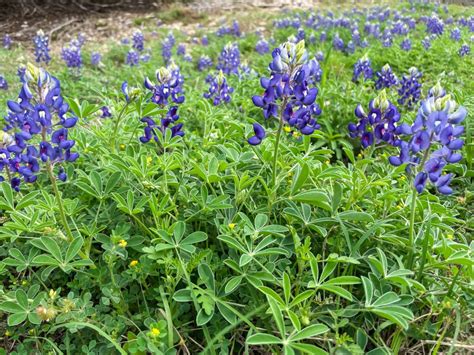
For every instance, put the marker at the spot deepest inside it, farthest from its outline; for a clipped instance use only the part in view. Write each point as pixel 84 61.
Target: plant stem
pixel 62 214
pixel 425 250
pixel 117 122
pixel 277 140
pixel 411 234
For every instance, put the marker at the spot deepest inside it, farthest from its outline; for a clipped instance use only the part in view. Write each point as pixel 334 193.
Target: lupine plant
pixel 386 78
pixel 261 225
pixel 41 43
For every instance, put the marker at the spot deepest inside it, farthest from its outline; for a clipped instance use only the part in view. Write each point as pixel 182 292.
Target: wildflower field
pixel 278 182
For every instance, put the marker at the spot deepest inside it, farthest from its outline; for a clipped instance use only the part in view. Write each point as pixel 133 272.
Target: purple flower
pixel 229 59
pixel 410 88
pixel 259 135
pixel 385 78
pixel 3 83
pixel 289 92
pixel 435 26
pixel 7 41
pixel 262 47
pixel 219 90
pixel 362 67
pixel 204 62
pixel 133 58
pixel 41 43
pixel 455 34
pixel 72 57
pixel 405 44
pixel 39 111
pixel 464 50
pixel 105 112
pixel 96 58
pixel 138 40
pixel 433 141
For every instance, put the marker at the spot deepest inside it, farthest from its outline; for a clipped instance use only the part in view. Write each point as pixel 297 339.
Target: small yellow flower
pixel 52 294
pixel 24 283
pixel 155 332
pixel 148 161
pixel 122 146
pixel 359 155
pixel 287 129
pixel 450 236
pixel 328 162
pixel 231 226
pixel 133 263
pixel 122 243
pixel 7 333
pixel 297 134
pixel 402 177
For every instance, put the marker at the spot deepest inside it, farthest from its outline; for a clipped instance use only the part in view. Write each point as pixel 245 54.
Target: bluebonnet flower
pixel 259 132
pixel 300 35
pixel 41 42
pixel 125 41
pixel 323 36
pixel 350 48
pixel 138 40
pixel 133 58
pixel 262 47
pixel 181 50
pixel 338 43
pixel 166 47
pixel 78 41
pixel 167 93
pixel 319 56
pixel 410 88
pixel 7 41
pixel 39 112
pixel 433 141
pixel 204 40
pixel 378 125
pixel 72 57
pixel 105 112
pixel 287 92
pixel 188 58
pixel 456 34
pixel 362 67
pixel 21 73
pixel 145 57
pixel 229 59
pixel 204 62
pixel 236 28
pixel 464 50
pixel 3 83
pixel 245 70
pixel 96 59
pixel 219 90
pixel 435 26
pixel 387 40
pixel 426 42
pixel 385 78
pixel 405 44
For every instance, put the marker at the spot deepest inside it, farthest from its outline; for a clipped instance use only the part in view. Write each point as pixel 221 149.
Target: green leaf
pixel 183 295
pixel 272 294
pixel 74 248
pixel 203 318
pixel 309 332
pixel 342 292
pixel 194 238
pixel 314 197
pixel 355 216
pixel 232 284
pixel 11 307
pixel 21 298
pixel 44 259
pixel 302 173
pixel 368 290
pixel 386 299
pixel 16 318
pixel 308 349
pixel 286 287
pixel 262 338
pixel 52 247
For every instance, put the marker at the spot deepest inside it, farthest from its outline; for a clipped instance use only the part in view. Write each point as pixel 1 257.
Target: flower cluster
pixel 410 88
pixel 455 34
pixel 405 44
pixel 426 42
pixel 166 92
pixel 288 92
pixel 3 83
pixel 464 50
pixel 362 67
pixel 219 90
pixel 204 63
pixel 7 41
pixel 229 59
pixel 105 112
pixel 435 26
pixel 72 57
pixel 378 125
pixel 39 112
pixel 96 59
pixel 138 40
pixel 166 47
pixel 133 58
pixel 433 141
pixel 386 78
pixel 41 43
pixel 262 47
